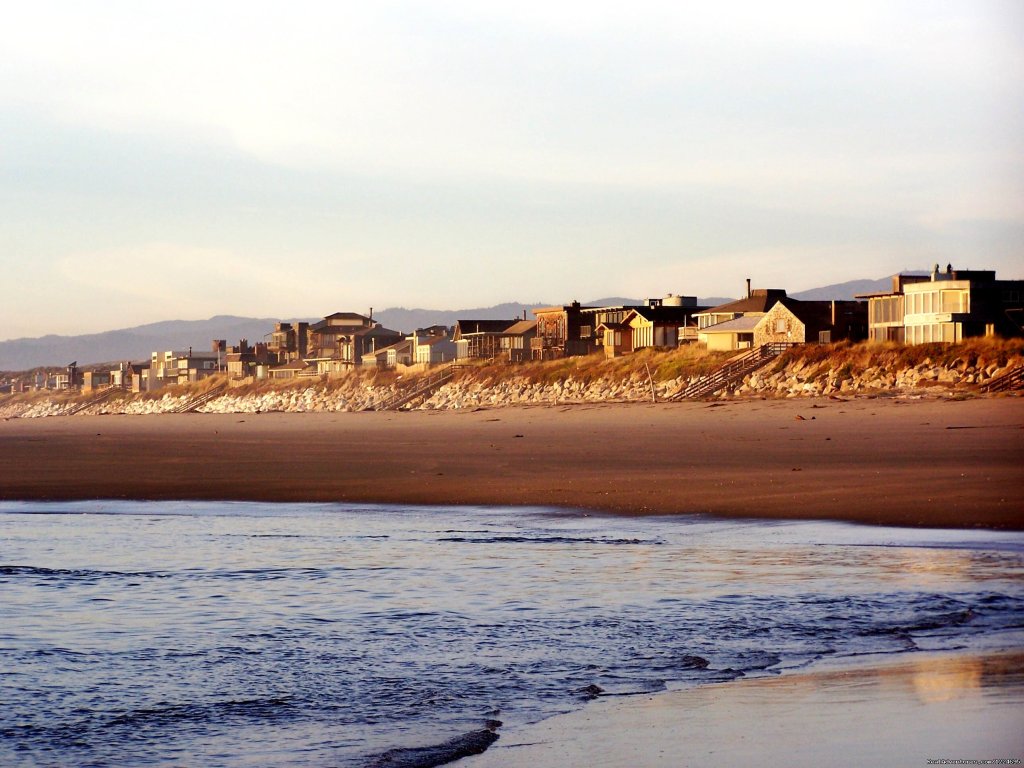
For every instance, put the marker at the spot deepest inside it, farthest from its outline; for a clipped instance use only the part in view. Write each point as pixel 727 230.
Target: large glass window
pixel 954 301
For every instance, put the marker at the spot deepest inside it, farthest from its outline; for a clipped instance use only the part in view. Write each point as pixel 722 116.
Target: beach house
pixel 338 342
pixel 561 332
pixel 791 321
pixel 946 306
pixel 479 339
pixel 731 325
pixel 515 341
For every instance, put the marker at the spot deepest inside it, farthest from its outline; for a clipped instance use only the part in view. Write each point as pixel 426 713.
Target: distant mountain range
pixel 137 344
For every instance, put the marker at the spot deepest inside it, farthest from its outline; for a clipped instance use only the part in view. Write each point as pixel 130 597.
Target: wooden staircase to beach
pixel 88 403
pixel 730 372
pixel 195 402
pixel 1009 381
pixel 420 388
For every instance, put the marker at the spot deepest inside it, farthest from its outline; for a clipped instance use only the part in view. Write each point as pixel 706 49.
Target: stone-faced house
pixel 731 325
pixel 812 322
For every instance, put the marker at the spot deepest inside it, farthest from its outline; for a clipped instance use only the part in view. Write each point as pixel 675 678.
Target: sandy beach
pixel 904 713
pixel 939 463
pixel 879 461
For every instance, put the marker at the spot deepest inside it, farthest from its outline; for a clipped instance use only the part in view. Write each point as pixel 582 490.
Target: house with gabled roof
pixel 792 321
pixel 515 341
pixel 432 350
pixel 731 325
pixel 338 342
pixel 662 326
pixel 653 326
pixel 391 356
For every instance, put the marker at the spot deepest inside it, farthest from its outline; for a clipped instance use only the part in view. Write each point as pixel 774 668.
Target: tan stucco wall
pixel 720 342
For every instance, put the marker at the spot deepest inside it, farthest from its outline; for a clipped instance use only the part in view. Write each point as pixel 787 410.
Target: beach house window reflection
pixel 955 302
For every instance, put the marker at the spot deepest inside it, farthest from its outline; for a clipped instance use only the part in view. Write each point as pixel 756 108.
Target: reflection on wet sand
pixel 905 713
pixel 948 679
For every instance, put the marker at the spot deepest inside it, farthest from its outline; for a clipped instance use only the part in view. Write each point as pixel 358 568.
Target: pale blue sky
pixel 270 159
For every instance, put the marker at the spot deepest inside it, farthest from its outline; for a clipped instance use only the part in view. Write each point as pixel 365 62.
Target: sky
pixel 188 159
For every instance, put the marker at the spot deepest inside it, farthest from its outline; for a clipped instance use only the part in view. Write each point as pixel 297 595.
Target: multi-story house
pixel 339 341
pixel 946 307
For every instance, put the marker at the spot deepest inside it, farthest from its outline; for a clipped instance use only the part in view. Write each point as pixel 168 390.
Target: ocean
pixel 240 634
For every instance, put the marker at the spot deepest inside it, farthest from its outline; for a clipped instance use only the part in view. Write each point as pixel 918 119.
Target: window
pixel 954 301
pixel 780 325
pixel 584 331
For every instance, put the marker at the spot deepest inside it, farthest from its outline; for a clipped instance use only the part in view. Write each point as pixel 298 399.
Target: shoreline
pixel 930 463
pixel 904 711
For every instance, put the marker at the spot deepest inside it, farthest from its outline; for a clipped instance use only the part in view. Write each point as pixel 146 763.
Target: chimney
pixel 748 287
pixel 371 313
pixel 833 313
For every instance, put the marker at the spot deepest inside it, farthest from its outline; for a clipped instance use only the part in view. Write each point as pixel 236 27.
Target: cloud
pixel 263 159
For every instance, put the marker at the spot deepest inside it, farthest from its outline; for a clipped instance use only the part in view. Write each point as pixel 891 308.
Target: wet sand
pixel 879 461
pixel 930 707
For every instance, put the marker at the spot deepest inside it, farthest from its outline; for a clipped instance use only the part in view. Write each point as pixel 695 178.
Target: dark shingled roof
pixel 466 327
pixel 760 300
pixel 667 314
pixel 523 326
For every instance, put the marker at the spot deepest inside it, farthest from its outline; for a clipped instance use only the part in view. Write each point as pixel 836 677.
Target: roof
pixel 468 327
pixel 345 316
pixel 354 330
pixel 819 313
pixel 295 365
pixel 669 314
pixel 399 346
pixel 738 325
pixel 760 300
pixel 357 321
pixel 523 326
pixel 565 308
pixel 431 340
